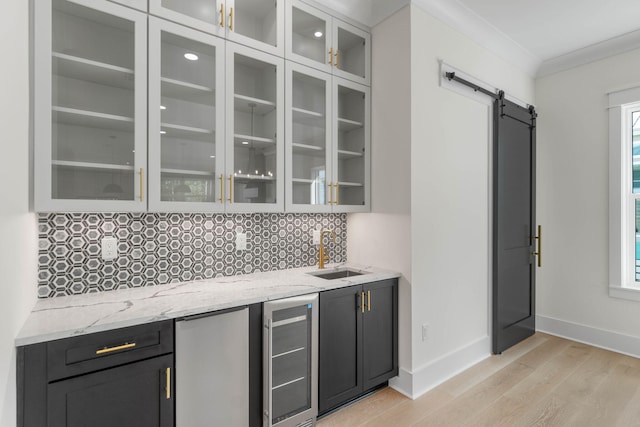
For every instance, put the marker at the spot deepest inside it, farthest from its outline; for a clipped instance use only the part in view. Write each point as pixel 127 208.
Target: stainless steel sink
pixel 336 274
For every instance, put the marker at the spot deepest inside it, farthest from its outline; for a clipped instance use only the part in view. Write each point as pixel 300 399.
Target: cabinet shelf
pixel 350 184
pixel 89 165
pixel 346 125
pixel 73 116
pixel 184 172
pixel 262 106
pixel 249 177
pixel 304 181
pixel 308 118
pixel 309 150
pixel 345 154
pixel 187 132
pixel 93 71
pixel 186 91
pixel 255 141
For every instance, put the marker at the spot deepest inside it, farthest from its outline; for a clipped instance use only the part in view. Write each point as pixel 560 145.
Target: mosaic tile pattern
pixel 154 249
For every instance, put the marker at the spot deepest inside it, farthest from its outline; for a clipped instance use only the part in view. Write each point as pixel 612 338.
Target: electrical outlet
pixel 241 241
pixel 316 237
pixel 109 248
pixel 425 332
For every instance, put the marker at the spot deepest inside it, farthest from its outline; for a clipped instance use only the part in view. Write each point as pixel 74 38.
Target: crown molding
pixel 470 24
pixel 595 52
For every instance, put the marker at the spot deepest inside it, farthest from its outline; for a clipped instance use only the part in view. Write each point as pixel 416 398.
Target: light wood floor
pixel 543 381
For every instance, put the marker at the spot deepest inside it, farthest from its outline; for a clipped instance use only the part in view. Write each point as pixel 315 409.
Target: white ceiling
pixel 539 36
pixel 551 28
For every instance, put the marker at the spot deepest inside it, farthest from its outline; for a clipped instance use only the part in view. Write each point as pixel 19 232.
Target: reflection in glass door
pixel 185 155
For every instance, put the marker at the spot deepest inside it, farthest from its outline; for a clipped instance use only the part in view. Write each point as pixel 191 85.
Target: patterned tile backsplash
pixel 157 248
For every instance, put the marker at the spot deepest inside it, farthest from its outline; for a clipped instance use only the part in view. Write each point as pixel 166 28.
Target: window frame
pixel 622 234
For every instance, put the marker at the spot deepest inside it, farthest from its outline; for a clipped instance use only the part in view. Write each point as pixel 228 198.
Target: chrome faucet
pixel 322 254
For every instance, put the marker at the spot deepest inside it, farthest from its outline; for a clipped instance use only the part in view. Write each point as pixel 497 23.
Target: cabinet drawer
pixel 87 353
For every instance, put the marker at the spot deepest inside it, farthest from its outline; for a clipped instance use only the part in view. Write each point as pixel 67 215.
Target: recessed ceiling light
pixel 162 132
pixel 212 157
pixel 245 142
pixel 318 34
pixel 191 56
pixel 162 107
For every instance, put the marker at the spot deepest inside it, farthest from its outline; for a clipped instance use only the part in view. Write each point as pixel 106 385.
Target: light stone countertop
pixel 64 317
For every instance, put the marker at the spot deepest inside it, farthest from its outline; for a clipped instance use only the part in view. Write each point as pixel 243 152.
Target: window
pixel 624 194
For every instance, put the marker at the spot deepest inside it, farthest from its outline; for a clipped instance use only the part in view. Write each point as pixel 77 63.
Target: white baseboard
pixel 608 340
pixel 415 384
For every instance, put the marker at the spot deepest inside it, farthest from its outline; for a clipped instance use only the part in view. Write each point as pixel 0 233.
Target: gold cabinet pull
pixel 368 300
pixel 230 188
pixel 168 388
pixel 331 193
pixel 141 184
pixel 538 253
pixel 337 60
pixel 116 348
pixel 362 303
pixel 331 56
pixel 221 198
pixel 222 15
pixel 231 19
pixel 337 186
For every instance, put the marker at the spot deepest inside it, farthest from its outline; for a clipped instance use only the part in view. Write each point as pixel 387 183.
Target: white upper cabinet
pixel 186 119
pixel 255 23
pixel 255 131
pixel 136 4
pixel 318 40
pixel 327 142
pixel 90 120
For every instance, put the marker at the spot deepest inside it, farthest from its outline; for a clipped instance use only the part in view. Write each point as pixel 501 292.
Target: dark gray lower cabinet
pixel 124 377
pixel 358 341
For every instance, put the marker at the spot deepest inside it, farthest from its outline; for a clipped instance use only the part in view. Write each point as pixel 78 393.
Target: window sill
pixel 631 294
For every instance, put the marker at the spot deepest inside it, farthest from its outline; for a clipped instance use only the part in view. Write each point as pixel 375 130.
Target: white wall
pixel 572 190
pixel 18 230
pixel 383 237
pixel 430 202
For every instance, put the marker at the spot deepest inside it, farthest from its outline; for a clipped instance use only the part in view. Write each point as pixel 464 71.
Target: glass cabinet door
pixel 351 47
pixel 351 147
pixel 255 131
pixel 90 108
pixel 255 23
pixel 308 139
pixel 186 119
pixel 309 36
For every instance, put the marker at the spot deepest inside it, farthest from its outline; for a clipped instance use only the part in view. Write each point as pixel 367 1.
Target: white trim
pixel 593 53
pixel 415 384
pixel 608 340
pixel 479 30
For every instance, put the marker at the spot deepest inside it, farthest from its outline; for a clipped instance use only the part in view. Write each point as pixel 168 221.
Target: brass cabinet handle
pixel 141 184
pixel 331 56
pixel 230 188
pixel 337 60
pixel 368 300
pixel 538 253
pixel 116 348
pixel 362 303
pixel 231 19
pixel 337 186
pixel 221 198
pixel 168 375
pixel 331 193
pixel 222 15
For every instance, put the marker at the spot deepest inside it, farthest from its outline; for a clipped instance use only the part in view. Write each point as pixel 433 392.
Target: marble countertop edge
pixel 64 317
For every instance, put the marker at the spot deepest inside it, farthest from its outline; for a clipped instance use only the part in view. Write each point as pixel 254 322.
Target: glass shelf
pixel 92 71
pixel 186 91
pixel 261 106
pixel 73 116
pixel 88 165
pixel 346 125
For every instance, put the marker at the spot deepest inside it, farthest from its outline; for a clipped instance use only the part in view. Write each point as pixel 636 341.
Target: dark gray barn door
pixel 514 238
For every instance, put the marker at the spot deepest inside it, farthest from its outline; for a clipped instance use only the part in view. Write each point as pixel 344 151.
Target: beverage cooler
pixel 290 361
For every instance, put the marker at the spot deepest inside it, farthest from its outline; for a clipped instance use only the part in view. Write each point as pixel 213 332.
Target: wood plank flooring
pixel 543 381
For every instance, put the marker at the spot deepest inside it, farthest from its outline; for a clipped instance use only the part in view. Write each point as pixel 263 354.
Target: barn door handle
pixel 538 253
